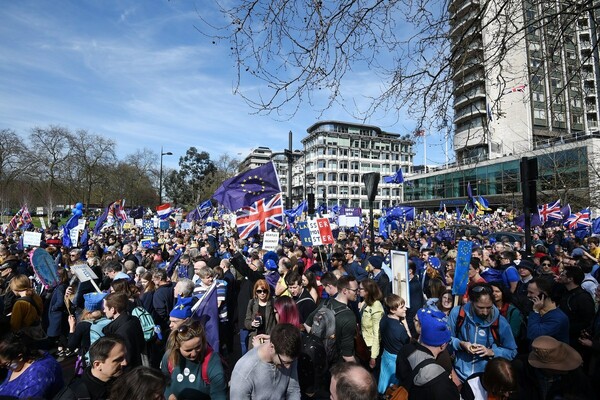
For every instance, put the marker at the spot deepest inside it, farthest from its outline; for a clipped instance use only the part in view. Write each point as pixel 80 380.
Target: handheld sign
pixel 32 239
pixel 270 241
pixel 44 267
pixel 461 273
pixel 399 260
pixel 84 273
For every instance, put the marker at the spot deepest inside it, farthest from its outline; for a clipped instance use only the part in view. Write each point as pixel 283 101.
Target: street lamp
pixel 310 197
pixel 168 153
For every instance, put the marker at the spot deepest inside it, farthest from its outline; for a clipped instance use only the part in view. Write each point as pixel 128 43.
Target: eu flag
pixel 396 178
pixel 206 310
pixel 248 187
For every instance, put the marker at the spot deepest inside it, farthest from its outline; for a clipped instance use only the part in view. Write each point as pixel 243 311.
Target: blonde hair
pixel 187 331
pixel 20 283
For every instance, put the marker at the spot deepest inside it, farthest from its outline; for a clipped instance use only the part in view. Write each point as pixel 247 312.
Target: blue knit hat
pixel 376 261
pixel 434 329
pixel 270 265
pixel 183 308
pixel 93 301
pixel 270 255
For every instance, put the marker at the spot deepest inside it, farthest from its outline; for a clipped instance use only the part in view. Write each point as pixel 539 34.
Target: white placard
pixel 84 272
pixel 400 275
pixel 348 221
pixel 32 239
pixel 43 223
pixel 270 241
pixel 74 235
pixel 186 225
pixel 315 234
pixel 80 224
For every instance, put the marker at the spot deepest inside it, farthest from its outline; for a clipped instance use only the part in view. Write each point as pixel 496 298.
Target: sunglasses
pixel 484 289
pixel 260 291
pixel 184 328
pixel 548 264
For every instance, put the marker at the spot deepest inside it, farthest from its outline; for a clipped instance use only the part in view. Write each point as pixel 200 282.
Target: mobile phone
pixel 542 297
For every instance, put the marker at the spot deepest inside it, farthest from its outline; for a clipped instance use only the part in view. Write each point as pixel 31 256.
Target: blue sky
pixel 140 73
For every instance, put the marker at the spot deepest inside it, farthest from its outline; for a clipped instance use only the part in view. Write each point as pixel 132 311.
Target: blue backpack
pixel 146 321
pixel 96 333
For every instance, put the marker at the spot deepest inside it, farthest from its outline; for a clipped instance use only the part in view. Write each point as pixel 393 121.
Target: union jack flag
pixel 518 88
pixel 117 212
pixel 579 220
pixel 261 216
pixel 21 219
pixel 550 212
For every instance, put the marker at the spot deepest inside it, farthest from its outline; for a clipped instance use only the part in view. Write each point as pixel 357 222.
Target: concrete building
pixel 337 154
pixel 540 86
pixel 537 97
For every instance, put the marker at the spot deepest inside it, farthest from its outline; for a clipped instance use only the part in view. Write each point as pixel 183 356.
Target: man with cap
pixel 375 268
pixel 520 299
pixel 181 311
pixel 417 368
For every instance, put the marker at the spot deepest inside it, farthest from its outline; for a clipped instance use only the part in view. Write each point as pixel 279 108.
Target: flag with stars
pixel 248 187
pixel 461 272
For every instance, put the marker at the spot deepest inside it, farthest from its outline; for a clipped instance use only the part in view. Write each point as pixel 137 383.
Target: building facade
pixel 524 72
pixel 337 154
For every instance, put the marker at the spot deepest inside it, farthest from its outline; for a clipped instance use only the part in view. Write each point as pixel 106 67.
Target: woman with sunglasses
pixel 195 369
pixel 260 317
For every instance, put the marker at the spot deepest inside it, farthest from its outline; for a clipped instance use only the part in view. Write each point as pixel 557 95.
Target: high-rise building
pixel 337 154
pixel 525 72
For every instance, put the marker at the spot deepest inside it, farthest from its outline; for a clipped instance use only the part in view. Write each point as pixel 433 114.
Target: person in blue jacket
pixel 479 333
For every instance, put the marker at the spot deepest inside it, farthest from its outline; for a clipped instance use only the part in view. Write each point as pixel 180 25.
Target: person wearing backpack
pixel 419 372
pixel 195 368
pixel 479 333
pixel 125 325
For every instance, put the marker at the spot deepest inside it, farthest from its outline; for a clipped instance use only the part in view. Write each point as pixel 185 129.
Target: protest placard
pixel 32 239
pixel 270 240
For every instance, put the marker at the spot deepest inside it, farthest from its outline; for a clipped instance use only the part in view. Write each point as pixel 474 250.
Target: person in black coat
pixel 126 326
pixel 251 275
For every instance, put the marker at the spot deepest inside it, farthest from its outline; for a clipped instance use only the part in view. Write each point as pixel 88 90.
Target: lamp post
pixel 168 153
pixel 310 197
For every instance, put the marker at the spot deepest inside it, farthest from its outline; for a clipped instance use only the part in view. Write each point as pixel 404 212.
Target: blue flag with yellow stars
pixel 248 187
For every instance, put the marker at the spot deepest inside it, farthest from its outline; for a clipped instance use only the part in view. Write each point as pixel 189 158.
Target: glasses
pixel 354 290
pixel 546 264
pixel 73 255
pixel 260 291
pixel 184 328
pixel 484 289
pixel 286 364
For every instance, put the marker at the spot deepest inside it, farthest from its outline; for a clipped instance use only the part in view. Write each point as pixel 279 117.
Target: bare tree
pixel 92 156
pixel 416 51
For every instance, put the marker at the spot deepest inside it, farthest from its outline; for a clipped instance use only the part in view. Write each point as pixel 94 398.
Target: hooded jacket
pixel 477 331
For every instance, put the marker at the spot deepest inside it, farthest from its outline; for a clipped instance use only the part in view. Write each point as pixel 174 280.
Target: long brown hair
pixel 187 331
pixel 372 291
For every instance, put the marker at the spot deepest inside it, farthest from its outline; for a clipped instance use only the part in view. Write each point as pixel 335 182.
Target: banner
pixel 461 273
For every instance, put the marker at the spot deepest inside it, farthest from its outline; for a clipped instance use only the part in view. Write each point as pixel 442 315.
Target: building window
pixel 355 190
pixel 321 177
pixel 344 177
pixel 331 151
pixel 539 114
pixel 332 164
pixel 344 164
pixel 343 190
pixel 332 176
pixel 354 165
pixel 355 178
pixel 538 96
pixel 332 190
pixel 320 163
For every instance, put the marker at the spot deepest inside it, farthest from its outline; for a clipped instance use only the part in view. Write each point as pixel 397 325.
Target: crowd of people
pixel 323 322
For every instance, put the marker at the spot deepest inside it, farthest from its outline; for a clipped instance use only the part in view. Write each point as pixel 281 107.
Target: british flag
pixel 21 219
pixel 518 88
pixel 579 220
pixel 550 212
pixel 261 216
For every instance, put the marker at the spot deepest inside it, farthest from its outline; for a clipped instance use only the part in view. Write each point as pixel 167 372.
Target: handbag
pixel 361 350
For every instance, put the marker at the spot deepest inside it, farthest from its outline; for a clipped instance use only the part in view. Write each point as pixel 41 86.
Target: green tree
pixel 196 172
